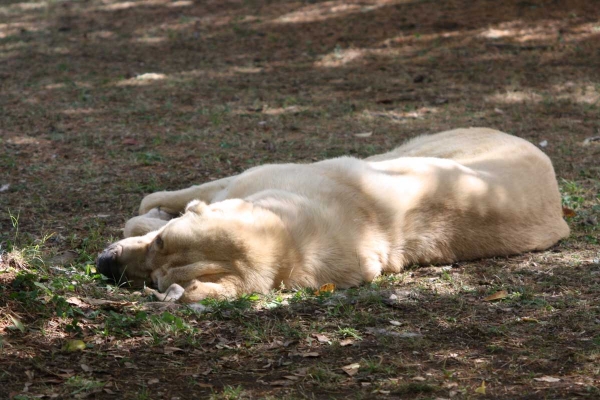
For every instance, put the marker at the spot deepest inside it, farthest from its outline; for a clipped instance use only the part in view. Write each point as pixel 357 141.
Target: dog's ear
pixel 197 207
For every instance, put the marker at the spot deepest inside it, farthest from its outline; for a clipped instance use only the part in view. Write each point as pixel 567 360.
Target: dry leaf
pixel 17 323
pixel 567 212
pixel 419 379
pixel 301 372
pixel 481 389
pixel 310 354
pixel 496 296
pixel 549 379
pixel 351 369
pixel 76 302
pixel 326 288
pixel 86 368
pixel 363 134
pixel 395 323
pixel 100 302
pixel 321 338
pixel 281 383
pixel 171 350
pixel 347 342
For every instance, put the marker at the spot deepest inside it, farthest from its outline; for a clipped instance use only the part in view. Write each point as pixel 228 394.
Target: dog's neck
pixel 311 251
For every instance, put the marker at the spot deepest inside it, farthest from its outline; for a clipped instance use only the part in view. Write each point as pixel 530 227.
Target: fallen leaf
pixel 281 382
pixel 546 378
pixel 351 369
pixel 86 368
pixel 481 389
pixel 543 143
pixel 326 288
pixel 567 212
pixel 363 134
pixel 291 377
pixel 17 323
pixel 171 350
pixel 100 302
pixel 129 142
pixel 395 323
pixel 74 345
pixel 347 342
pixel 496 296
pixel 4 187
pixel 153 381
pixel 321 338
pixel 419 379
pixel 76 302
pixel 301 372
pixel 310 354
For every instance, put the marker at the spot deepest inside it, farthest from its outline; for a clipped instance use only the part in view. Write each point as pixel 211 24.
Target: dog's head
pixel 201 238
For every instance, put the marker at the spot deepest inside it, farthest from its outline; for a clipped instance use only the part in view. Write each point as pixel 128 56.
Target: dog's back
pixel 477 193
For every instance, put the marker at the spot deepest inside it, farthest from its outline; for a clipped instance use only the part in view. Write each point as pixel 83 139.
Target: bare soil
pixel 104 101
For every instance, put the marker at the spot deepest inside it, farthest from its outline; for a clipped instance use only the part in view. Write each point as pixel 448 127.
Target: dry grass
pixel 102 101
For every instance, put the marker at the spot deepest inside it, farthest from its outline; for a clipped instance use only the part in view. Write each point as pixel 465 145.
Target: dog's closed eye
pixel 159 243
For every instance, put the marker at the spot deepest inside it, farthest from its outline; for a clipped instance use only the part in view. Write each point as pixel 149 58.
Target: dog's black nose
pixel 108 265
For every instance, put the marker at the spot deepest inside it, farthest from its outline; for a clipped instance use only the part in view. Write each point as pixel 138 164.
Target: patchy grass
pixel 105 101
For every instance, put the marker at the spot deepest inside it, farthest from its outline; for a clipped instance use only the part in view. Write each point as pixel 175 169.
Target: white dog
pixel 457 195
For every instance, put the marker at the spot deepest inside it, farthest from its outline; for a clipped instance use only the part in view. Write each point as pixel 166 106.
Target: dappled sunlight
pixel 79 111
pixel 150 40
pixel 400 116
pixel 149 78
pixel 220 73
pixel 12 8
pixel 522 32
pixel 584 93
pixel 545 30
pixel 515 97
pixel 14 28
pixel 142 80
pixel 339 57
pixel 284 110
pixel 332 9
pixel 114 6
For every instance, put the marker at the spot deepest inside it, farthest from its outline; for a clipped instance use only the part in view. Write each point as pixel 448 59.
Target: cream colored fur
pixel 457 195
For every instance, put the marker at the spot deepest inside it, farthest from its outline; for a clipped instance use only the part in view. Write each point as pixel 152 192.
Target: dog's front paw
pixel 159 213
pixel 158 200
pixel 173 293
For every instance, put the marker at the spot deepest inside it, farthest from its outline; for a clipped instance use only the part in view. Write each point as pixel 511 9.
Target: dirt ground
pixel 104 101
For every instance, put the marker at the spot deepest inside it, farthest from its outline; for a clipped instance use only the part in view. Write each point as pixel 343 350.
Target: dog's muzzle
pixel 107 264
